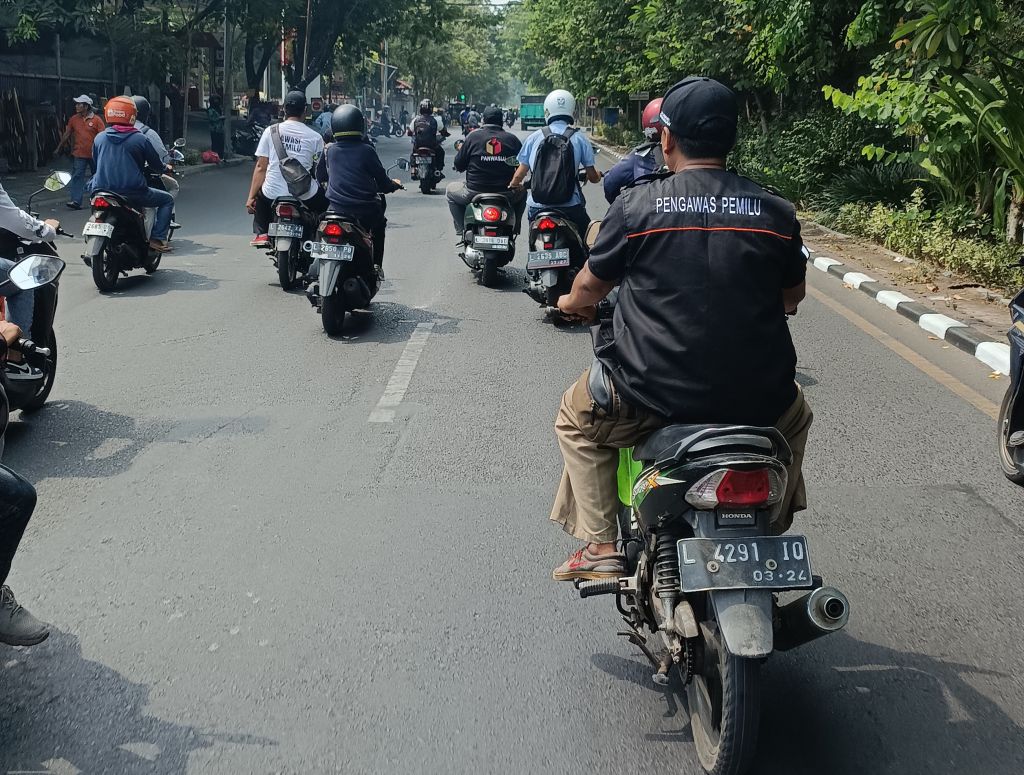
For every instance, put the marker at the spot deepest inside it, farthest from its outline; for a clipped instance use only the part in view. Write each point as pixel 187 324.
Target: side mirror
pixel 35 271
pixel 403 163
pixel 57 181
pixel 177 156
pixel 179 143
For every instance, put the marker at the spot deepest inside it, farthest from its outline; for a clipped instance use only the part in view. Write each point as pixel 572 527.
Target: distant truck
pixel 531 111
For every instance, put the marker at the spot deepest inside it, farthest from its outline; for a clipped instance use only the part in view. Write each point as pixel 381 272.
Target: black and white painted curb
pixel 995 355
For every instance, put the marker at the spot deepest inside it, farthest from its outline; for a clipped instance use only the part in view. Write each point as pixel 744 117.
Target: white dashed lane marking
pixel 394 392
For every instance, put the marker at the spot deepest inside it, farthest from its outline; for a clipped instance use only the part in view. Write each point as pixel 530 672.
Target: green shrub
pixel 920 233
pixel 888 184
pixel 799 156
pixel 618 135
pixel 192 157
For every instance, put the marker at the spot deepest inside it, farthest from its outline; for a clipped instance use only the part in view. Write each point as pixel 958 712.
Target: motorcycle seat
pixel 675 443
pixel 423 152
pixel 556 215
pixel 491 199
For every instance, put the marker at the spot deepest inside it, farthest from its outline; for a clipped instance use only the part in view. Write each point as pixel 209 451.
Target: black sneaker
pixel 18 372
pixel 17 626
pixel 73 205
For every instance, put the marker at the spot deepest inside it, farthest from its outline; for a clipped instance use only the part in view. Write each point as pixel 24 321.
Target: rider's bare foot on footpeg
pixel 594 561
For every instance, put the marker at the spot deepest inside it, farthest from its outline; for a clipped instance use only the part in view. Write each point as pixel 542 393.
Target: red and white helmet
pixel 651 122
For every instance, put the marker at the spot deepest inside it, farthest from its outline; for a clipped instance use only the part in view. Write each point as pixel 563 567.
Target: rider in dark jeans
pixel 17 500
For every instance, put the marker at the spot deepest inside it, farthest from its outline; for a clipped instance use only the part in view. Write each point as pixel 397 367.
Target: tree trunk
pixel 256 67
pixel 762 110
pixel 1015 217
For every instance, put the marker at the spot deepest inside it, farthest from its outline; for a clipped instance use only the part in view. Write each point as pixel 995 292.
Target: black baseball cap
pixel 295 99
pixel 701 109
pixel 493 115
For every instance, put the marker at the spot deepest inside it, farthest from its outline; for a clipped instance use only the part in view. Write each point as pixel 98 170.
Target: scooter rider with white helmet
pixel 559 112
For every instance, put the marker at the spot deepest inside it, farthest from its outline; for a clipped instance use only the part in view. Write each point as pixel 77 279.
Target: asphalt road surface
pixel 246 575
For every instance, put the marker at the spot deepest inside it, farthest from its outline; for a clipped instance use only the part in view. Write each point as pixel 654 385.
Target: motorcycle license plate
pixel 489 242
pixel 94 229
pixel 285 230
pixel 761 562
pixel 424 160
pixel 335 252
pixel 547 259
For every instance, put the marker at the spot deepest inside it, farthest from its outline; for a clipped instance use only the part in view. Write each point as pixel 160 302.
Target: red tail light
pixel 546 224
pixel 732 488
pixel 286 211
pixel 333 230
pixel 492 214
pixel 744 488
pixel 100 202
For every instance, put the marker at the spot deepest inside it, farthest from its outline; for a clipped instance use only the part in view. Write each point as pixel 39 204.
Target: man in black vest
pixel 708 264
pixel 488 157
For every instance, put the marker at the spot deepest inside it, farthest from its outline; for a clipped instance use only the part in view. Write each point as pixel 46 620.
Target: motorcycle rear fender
pixel 330 271
pixel 94 246
pixel 282 244
pixel 745 621
pixel 549 277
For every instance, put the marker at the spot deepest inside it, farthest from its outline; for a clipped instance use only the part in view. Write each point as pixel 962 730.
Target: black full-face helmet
pixel 426 107
pixel 348 121
pixel 142 109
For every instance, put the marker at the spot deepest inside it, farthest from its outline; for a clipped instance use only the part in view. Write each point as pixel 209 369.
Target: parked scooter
pixel 1011 413
pixel 117 235
pixel 291 233
pixel 36 273
pixel 347 278
pixel 245 141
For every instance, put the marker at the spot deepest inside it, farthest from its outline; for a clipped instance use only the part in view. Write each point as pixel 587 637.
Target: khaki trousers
pixel 587 502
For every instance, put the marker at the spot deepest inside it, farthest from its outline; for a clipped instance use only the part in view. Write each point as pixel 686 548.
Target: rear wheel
pixel 333 314
pixel 152 263
pixel 724 700
pixel 489 270
pixel 1011 470
pixel 287 271
pixel 425 186
pixel 49 375
pixel 105 269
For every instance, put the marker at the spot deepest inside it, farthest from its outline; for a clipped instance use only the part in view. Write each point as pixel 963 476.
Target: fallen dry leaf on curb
pixel 995 375
pixel 933 337
pixel 933 288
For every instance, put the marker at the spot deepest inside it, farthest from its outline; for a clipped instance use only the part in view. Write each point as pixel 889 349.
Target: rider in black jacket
pixel 356 180
pixel 426 134
pixel 17 500
pixel 488 157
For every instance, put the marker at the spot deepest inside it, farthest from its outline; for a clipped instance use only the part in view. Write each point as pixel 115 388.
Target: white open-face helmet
pixel 559 104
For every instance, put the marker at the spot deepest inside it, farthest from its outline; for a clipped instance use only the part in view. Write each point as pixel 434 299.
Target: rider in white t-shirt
pixel 300 142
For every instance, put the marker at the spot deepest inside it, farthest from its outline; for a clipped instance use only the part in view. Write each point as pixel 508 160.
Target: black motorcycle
pixel 38 274
pixel 245 141
pixel 1011 413
pixel 292 230
pixel 557 254
pixel 117 235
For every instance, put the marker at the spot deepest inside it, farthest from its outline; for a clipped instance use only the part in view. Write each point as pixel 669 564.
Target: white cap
pixel 84 98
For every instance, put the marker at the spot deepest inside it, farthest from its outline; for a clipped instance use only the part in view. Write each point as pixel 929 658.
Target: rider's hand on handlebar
pixel 582 314
pixel 513 186
pixel 53 223
pixel 398 183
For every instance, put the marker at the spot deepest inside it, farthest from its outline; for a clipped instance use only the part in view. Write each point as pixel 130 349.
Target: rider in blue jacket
pixel 643 160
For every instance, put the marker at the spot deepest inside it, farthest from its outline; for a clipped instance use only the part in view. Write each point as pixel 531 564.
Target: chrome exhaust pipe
pixel 472 257
pixel 821 612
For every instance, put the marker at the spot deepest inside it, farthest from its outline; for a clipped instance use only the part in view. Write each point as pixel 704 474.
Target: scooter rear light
pixel 286 211
pixel 730 487
pixel 546 224
pixel 492 214
pixel 333 230
pixel 100 203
